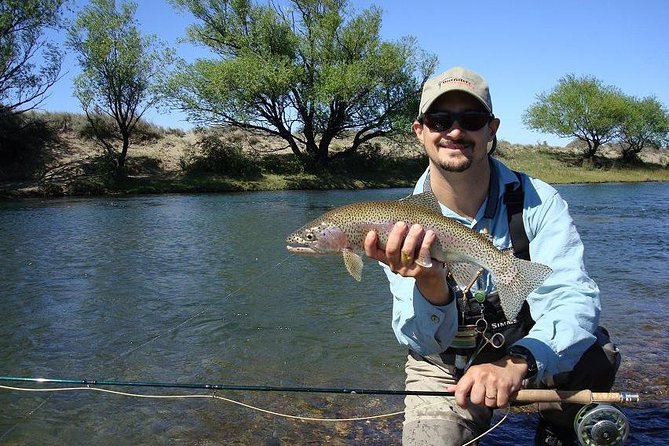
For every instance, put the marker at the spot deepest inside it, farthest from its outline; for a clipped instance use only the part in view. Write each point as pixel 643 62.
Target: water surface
pixel 200 289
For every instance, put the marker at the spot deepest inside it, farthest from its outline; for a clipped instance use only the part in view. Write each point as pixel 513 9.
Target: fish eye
pixel 310 236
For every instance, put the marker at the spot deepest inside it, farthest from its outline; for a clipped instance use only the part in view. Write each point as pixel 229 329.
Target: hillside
pixel 72 164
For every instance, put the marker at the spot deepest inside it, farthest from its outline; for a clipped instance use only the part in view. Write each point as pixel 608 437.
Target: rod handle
pixel 573 396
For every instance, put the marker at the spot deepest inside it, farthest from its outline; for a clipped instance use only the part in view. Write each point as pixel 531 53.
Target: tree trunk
pixel 630 154
pixel 120 160
pixel 593 146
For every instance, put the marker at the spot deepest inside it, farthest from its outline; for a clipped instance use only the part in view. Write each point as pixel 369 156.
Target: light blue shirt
pixel 566 306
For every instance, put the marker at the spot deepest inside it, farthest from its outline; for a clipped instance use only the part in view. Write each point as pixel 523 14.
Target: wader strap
pixel 514 200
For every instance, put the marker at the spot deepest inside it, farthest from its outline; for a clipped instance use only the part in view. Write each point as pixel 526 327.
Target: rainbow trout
pixel 344 229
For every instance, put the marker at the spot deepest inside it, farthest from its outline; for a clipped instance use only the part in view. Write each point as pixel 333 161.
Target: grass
pixel 548 165
pixel 544 164
pixel 560 167
pixel 171 161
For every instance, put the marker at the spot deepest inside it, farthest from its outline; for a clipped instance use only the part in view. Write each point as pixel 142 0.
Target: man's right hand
pixel 404 245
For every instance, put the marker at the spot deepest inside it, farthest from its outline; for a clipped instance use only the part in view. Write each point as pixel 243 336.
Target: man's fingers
pixel 394 245
pixel 462 390
pixel 372 246
pixel 412 241
pixel 424 255
pixel 406 248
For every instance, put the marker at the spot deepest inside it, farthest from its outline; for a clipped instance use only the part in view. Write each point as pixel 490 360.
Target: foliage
pixel 104 126
pixel 121 72
pixel 24 83
pixel 23 139
pixel 307 73
pixel 212 155
pixel 580 107
pixel 645 124
pixel 78 122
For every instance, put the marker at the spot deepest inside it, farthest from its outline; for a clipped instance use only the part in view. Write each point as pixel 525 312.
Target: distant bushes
pixel 79 124
pixel 23 142
pixel 108 129
pixel 211 154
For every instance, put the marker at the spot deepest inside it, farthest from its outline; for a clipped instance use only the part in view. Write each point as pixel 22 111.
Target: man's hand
pixel 491 384
pixel 404 245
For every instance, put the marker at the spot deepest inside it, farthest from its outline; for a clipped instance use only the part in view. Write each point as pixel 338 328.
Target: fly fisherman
pixel 450 319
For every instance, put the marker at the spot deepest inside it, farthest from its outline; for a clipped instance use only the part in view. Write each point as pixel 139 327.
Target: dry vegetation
pixel 73 164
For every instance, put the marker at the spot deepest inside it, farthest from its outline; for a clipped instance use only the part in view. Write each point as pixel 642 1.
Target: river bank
pixel 74 166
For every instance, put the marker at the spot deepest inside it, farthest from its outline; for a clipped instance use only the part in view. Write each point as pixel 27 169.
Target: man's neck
pixel 462 192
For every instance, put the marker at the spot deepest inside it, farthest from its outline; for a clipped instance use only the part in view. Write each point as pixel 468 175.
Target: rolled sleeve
pixel 419 325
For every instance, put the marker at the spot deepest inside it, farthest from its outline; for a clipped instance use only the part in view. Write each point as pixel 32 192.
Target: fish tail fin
pixel 517 281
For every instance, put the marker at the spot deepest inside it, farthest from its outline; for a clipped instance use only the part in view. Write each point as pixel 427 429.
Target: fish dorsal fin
pixel 353 263
pixel 425 199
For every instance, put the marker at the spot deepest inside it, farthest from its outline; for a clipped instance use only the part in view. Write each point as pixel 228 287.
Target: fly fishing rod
pixel 523 396
pixel 598 423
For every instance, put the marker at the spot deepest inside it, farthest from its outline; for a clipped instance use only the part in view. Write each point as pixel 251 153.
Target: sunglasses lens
pixel 473 121
pixel 441 121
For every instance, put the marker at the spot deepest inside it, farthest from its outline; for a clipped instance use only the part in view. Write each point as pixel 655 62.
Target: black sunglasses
pixel 468 120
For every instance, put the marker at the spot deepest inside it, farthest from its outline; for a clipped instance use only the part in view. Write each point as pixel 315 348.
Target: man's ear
pixel 417 128
pixel 492 127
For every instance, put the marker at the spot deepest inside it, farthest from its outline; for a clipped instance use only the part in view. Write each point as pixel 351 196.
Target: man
pixel 446 324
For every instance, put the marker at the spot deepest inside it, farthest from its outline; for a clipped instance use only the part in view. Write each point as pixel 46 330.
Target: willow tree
pixel 309 72
pixel 579 107
pixel 29 63
pixel 645 124
pixel 121 72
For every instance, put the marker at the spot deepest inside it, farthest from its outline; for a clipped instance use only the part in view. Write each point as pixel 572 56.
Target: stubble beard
pixel 450 166
pixel 453 164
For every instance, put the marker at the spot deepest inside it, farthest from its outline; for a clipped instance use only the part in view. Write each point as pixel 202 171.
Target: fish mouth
pixel 302 250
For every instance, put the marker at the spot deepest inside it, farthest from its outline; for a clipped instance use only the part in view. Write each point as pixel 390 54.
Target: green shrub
pixel 368 157
pixel 281 164
pixel 87 186
pixel 212 155
pixel 105 128
pixel 23 145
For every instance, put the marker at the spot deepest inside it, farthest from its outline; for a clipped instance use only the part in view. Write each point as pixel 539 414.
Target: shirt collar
pixel 500 176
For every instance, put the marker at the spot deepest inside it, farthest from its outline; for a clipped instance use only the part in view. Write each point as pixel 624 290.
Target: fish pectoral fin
pixel 353 263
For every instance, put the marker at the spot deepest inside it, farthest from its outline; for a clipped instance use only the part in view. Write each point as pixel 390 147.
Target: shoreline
pixel 75 167
pixel 137 186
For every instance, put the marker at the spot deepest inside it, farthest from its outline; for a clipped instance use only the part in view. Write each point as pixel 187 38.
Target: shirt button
pixel 435 318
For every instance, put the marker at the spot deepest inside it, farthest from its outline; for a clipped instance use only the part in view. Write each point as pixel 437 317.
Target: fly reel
pixel 601 425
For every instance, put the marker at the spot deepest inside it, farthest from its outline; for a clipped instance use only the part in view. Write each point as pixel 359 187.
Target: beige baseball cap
pixel 455 79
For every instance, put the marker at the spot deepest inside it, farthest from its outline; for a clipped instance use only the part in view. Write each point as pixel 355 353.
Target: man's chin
pixel 455 165
pixel 456 168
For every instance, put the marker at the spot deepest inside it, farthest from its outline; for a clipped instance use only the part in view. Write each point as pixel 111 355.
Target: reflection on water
pixel 201 289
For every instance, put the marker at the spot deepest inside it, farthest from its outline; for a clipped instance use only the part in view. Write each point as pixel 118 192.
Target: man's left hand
pixel 492 384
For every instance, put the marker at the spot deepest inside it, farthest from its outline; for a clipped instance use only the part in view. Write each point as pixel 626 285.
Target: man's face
pixel 456 149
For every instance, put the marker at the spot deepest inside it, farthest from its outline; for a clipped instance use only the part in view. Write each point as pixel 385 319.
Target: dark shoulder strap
pixel 514 200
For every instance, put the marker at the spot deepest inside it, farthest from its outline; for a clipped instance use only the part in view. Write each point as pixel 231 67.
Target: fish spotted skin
pixel 344 229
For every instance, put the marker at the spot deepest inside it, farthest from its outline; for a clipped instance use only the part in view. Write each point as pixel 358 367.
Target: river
pixel 200 289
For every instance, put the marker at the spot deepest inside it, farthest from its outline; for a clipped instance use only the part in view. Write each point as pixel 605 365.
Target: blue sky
pixel 521 47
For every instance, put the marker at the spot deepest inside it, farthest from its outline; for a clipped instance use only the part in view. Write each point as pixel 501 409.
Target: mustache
pixel 461 141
